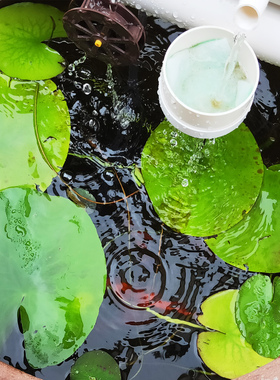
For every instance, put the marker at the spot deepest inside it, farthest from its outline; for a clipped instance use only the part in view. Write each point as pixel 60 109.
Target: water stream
pixel 210 78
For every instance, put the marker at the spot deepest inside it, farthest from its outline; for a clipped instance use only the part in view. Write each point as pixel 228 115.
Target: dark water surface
pixel 112 114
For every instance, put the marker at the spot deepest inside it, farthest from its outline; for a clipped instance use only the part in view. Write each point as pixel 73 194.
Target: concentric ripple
pixel 137 275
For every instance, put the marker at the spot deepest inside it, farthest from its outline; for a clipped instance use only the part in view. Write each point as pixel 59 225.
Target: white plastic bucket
pixel 202 124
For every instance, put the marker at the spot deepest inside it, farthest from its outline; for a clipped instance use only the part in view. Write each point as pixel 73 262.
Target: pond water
pixel 112 114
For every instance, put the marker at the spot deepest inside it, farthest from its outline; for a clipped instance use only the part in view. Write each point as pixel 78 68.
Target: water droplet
pixel 173 142
pixel 86 88
pixel 174 134
pixel 185 182
pixel 20 230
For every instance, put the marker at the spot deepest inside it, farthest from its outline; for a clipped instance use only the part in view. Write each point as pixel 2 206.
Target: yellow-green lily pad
pixel 225 351
pixel 201 187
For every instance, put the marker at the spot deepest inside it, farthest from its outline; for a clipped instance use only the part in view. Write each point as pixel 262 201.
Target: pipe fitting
pixel 248 13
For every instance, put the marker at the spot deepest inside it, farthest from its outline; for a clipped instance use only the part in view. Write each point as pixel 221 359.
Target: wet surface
pixel 112 114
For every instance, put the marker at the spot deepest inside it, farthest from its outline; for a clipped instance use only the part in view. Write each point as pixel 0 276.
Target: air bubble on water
pixel 86 88
pixel 95 113
pixel 85 73
pixel 173 142
pixel 71 67
pixel 82 59
pixel 185 182
pixel 138 6
pixel 77 85
pixel 92 123
pixel 66 176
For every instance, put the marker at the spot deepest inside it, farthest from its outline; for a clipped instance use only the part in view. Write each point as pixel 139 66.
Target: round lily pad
pixel 35 132
pixel 53 271
pixel 225 351
pixel 254 242
pixel 201 187
pixel 95 365
pixel 258 314
pixel 23 28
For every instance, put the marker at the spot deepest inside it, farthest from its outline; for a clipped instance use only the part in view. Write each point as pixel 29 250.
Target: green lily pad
pixel 201 187
pixel 95 365
pixel 254 242
pixel 225 351
pixel 258 314
pixel 32 112
pixel 52 269
pixel 23 27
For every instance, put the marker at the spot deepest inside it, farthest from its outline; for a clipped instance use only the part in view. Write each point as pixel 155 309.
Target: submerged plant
pixel 53 271
pixel 25 29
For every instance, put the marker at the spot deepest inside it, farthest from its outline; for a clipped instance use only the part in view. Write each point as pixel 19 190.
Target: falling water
pixel 207 77
pixel 122 112
pixel 232 66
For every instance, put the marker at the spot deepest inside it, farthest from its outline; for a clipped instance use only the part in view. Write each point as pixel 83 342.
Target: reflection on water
pixel 148 264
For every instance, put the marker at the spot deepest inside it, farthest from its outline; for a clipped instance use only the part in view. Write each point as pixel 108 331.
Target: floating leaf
pixel 95 365
pixel 258 314
pixel 225 351
pixel 52 269
pixel 23 27
pixel 254 242
pixel 27 109
pixel 201 187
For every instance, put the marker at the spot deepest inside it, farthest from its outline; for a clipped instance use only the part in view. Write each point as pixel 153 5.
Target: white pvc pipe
pixel 248 13
pixel 264 38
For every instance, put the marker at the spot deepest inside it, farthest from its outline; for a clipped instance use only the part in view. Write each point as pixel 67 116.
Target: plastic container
pixel 203 124
pixel 221 13
pixel 248 13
